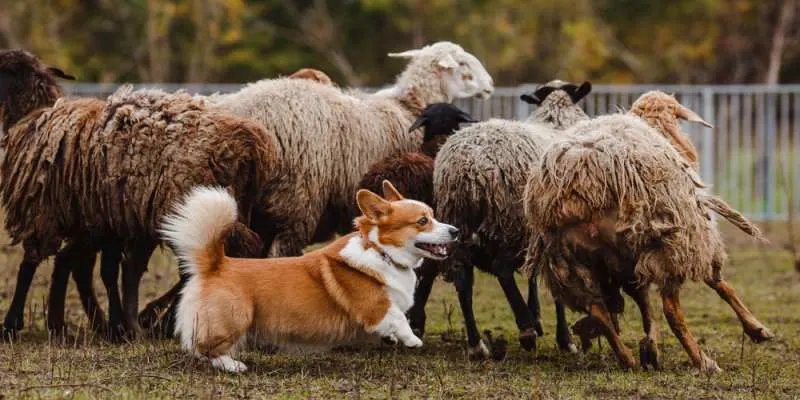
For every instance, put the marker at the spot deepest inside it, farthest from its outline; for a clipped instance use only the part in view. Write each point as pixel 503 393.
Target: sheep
pixel 312 74
pixel 618 203
pixel 100 173
pixel 479 176
pixel 412 174
pixel 329 138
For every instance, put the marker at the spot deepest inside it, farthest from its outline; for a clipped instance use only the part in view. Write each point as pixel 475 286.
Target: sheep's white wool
pixel 329 137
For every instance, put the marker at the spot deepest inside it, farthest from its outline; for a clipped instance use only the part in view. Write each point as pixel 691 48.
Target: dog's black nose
pixel 453 232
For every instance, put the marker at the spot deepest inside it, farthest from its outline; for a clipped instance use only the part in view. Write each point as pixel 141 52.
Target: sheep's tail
pixel 736 218
pixel 197 229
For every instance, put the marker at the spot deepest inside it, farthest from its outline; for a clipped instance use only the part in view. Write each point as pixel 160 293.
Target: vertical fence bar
pixel 747 154
pixel 785 151
pixel 721 136
pixel 796 155
pixel 770 155
pixel 734 172
pixel 708 148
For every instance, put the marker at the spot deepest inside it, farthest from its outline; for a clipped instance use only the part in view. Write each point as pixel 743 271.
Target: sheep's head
pixel 440 119
pixel 461 73
pixel 565 90
pixel 663 112
pixel 26 85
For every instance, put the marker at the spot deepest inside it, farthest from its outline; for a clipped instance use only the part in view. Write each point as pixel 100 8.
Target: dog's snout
pixel 453 232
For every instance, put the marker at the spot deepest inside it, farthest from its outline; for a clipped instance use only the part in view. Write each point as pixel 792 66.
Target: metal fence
pixel 751 157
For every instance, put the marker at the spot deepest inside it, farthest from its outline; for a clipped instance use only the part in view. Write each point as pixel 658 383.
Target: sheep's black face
pixel 441 119
pixel 25 85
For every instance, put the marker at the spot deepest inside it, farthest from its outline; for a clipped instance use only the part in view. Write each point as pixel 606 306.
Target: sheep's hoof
pixel 527 339
pixel 115 333
pixel 708 365
pixel 759 334
pixel 649 354
pixel 9 334
pixel 478 352
pixel 626 359
pixel 537 325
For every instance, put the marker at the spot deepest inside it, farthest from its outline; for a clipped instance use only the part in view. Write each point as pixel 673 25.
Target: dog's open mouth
pixel 437 251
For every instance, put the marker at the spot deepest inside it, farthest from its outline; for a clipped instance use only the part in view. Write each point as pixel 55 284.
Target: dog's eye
pixel 422 221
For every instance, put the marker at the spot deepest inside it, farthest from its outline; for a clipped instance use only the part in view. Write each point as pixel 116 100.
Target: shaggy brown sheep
pixel 619 204
pixel 89 171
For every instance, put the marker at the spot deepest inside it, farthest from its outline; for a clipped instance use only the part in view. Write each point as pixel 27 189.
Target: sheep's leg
pixel 601 315
pixel 563 338
pixel 416 314
pixel 169 300
pixel 15 316
pixel 534 306
pixel 58 291
pixel 752 326
pixel 82 271
pixel 672 310
pixel 648 346
pixel 133 267
pixel 109 271
pixel 464 279
pixel 522 315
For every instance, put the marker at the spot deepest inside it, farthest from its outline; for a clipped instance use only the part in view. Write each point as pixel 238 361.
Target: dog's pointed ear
pixel 59 73
pixel 371 205
pixel 390 192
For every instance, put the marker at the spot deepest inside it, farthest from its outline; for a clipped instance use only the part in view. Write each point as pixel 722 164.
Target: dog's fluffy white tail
pixel 198 226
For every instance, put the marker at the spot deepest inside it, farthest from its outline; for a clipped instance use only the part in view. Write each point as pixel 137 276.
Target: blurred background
pixel 735 62
pixel 607 41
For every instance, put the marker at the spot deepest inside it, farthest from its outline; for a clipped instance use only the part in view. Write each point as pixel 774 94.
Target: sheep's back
pixel 410 173
pixel 328 139
pixel 618 167
pixel 479 179
pixel 116 166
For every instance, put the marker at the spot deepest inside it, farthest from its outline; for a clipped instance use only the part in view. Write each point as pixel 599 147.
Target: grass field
pixel 83 366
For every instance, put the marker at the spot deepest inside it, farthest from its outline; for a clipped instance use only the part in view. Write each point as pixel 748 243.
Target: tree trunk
pixel 785 17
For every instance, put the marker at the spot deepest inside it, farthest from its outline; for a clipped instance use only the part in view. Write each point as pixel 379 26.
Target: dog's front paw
pixel 227 363
pixel 391 339
pixel 413 341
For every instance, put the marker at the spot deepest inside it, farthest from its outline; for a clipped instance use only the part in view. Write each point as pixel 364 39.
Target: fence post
pixel 707 163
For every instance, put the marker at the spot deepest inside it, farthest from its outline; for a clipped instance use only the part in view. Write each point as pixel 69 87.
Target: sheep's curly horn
pixel 684 113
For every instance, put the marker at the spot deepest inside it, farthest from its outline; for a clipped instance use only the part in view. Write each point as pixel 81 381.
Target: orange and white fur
pixel 362 283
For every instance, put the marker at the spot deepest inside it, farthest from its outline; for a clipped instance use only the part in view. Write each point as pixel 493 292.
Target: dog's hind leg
pixel 601 316
pixel 672 310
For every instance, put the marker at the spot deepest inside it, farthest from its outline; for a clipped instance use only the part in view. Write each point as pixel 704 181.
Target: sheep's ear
pixel 59 73
pixel 581 92
pixel 371 205
pixel 464 117
pixel 448 62
pixel 422 120
pixel 390 192
pixel 530 99
pixel 405 54
pixel 689 115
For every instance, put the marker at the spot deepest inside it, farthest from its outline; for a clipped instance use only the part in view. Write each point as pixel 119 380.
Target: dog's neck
pixel 397 257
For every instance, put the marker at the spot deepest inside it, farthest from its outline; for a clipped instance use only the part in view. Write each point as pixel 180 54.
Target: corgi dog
pixel 362 283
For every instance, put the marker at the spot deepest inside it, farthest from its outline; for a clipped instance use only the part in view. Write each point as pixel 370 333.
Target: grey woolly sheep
pixel 479 178
pixel 619 204
pixel 101 173
pixel 328 138
pixel 412 174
